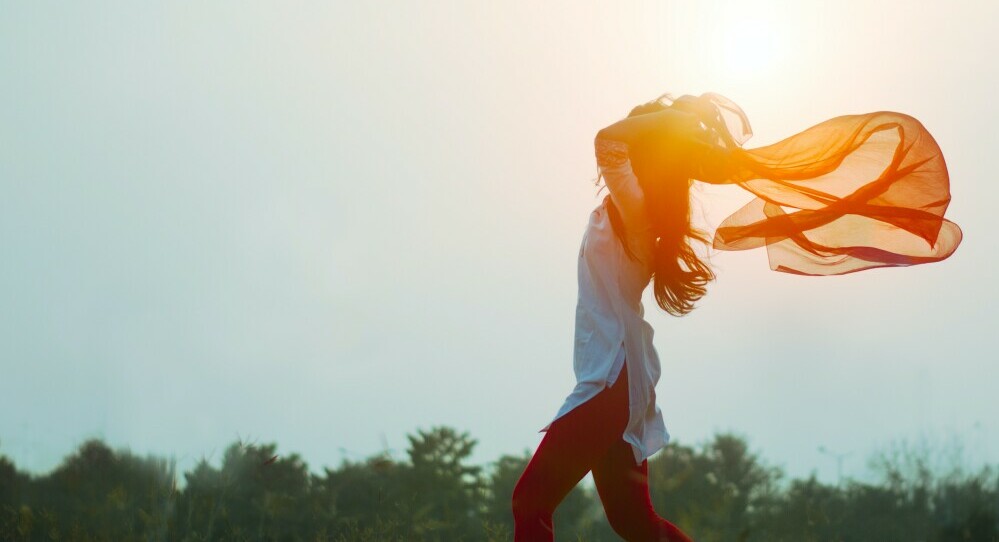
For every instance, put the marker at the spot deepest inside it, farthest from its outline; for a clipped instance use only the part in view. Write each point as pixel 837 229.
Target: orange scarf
pixel 848 194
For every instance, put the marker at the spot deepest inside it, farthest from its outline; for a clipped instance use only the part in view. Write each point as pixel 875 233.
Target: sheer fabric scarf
pixel 852 193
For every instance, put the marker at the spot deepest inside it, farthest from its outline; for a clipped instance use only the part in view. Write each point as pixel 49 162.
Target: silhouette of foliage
pixel 718 491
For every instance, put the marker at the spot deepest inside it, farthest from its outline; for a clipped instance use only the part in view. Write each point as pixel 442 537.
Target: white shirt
pixel 610 324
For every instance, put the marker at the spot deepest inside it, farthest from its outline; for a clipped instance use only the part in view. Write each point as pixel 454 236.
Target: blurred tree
pixel 712 493
pixel 809 511
pixel 719 491
pixel 367 497
pixel 452 492
pixel 14 486
pixel 198 508
pixel 880 513
pixel 502 480
pixel 99 493
pixel 256 495
pixel 967 508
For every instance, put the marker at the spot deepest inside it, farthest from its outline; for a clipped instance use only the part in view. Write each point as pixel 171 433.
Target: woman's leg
pixel 623 487
pixel 570 448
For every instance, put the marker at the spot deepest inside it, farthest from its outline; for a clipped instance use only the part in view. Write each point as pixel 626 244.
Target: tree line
pixel 716 491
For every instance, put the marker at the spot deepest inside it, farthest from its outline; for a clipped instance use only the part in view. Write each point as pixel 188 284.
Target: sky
pixel 330 224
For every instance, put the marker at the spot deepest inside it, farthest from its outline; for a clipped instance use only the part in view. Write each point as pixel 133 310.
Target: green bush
pixel 719 491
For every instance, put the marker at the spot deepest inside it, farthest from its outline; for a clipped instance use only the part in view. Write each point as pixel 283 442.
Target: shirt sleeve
pixel 621 181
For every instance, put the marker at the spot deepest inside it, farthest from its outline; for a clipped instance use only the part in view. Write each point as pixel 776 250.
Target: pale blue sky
pixel 328 224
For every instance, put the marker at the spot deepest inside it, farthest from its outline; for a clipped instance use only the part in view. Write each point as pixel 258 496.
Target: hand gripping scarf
pixel 851 193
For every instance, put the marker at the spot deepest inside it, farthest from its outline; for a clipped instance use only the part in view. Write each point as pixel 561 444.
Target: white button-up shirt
pixel 610 324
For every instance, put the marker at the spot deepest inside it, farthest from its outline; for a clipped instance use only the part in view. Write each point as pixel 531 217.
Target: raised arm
pixel 659 126
pixel 669 139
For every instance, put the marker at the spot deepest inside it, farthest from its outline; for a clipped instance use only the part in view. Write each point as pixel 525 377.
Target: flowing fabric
pixel 851 193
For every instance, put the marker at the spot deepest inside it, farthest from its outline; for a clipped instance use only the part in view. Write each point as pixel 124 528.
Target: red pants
pixel 588 438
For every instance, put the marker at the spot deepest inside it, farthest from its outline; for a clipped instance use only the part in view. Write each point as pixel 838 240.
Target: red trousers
pixel 588 438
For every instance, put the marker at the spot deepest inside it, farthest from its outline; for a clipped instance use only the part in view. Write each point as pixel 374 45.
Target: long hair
pixel 680 277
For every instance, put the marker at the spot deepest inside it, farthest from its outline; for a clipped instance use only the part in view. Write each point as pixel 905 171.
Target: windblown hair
pixel 680 277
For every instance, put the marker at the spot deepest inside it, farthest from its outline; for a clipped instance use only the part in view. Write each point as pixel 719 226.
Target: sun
pixel 750 46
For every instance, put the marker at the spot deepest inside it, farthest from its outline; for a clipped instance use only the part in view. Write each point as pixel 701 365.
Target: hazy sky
pixel 328 224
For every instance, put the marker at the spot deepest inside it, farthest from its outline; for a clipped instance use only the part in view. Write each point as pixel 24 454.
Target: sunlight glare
pixel 750 46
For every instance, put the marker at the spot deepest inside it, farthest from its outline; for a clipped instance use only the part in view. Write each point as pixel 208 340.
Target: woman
pixel 615 362
pixel 870 191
